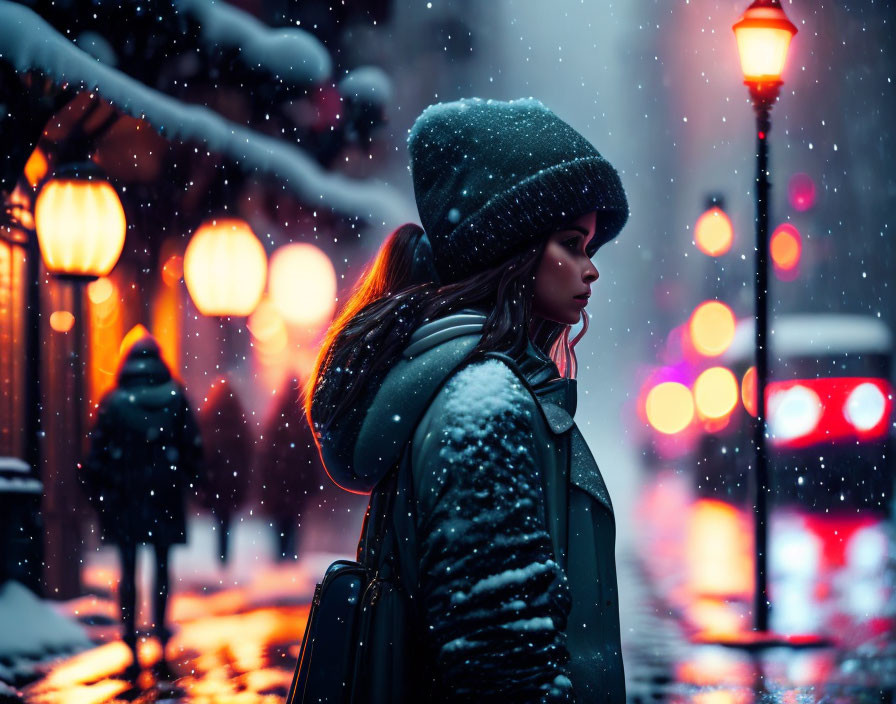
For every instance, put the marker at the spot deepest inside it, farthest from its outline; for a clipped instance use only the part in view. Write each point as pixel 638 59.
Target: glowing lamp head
pixel 763 36
pixel 225 268
pixel 303 284
pixel 80 223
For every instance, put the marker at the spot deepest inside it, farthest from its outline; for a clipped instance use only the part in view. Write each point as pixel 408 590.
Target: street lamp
pixel 763 36
pixel 225 270
pixel 80 226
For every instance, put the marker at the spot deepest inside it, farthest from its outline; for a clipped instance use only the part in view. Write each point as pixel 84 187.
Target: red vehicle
pixel 830 403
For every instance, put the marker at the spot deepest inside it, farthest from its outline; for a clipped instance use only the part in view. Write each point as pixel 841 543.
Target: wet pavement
pixel 237 630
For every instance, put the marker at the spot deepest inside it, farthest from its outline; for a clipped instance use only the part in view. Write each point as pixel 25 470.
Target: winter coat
pixel 144 454
pixel 504 529
pixel 227 445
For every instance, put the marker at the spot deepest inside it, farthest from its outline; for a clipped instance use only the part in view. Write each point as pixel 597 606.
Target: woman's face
pixel 565 273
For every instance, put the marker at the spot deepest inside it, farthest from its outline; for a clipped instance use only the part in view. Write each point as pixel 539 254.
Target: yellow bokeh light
pixel 303 284
pixel 713 233
pixel 716 392
pixel 62 320
pixel 80 226
pixel 225 268
pixel 669 407
pixel 711 328
pixel 100 290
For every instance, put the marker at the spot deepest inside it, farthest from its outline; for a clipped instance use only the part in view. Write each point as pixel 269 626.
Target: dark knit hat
pixel 492 177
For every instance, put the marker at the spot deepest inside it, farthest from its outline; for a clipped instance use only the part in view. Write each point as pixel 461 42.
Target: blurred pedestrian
pixel 290 468
pixel 144 459
pixel 228 445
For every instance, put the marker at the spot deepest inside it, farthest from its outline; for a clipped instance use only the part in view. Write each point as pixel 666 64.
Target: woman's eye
pixel 572 244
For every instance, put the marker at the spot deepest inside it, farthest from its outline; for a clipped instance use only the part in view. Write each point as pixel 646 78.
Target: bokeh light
pixel 36 167
pixel 748 391
pixel 711 328
pixel 173 270
pixel 302 284
pixel 62 320
pixel 716 392
pixel 669 407
pixel 801 192
pixel 713 233
pixel 100 291
pixel 786 247
pixel 225 268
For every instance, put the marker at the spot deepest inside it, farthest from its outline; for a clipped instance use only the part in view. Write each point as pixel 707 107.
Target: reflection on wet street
pixel 687 587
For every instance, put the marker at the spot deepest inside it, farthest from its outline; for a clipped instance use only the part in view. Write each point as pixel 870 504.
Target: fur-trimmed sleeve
pixel 495 603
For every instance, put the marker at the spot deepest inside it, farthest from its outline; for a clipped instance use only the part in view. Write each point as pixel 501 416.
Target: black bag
pixel 333 659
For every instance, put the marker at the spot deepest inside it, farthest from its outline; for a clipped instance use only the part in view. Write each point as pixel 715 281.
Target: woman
pixel 502 531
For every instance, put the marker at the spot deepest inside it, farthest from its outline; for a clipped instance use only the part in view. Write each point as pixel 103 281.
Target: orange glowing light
pixel 267 326
pixel 786 247
pixel 36 167
pixel 713 232
pixel 669 407
pixel 718 551
pixel 225 268
pixel 138 332
pixel 62 320
pixel 748 391
pixel 100 290
pixel 715 392
pixel 80 226
pixel 711 328
pixel 763 35
pixel 173 270
pixel 303 284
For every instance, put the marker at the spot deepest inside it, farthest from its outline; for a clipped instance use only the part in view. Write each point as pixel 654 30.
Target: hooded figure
pixel 450 369
pixel 144 461
pixel 290 470
pixel 228 443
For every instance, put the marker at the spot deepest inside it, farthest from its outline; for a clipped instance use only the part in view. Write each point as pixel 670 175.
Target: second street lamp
pixel 763 37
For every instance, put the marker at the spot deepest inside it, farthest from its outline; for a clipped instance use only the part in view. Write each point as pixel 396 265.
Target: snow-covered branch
pixel 29 43
pixel 288 53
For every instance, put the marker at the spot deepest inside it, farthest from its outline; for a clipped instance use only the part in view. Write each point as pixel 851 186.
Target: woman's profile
pixel 501 529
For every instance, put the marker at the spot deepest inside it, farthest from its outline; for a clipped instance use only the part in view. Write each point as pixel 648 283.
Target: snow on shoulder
pixel 478 398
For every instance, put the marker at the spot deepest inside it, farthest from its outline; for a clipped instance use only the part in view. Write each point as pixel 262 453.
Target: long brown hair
pixel 395 295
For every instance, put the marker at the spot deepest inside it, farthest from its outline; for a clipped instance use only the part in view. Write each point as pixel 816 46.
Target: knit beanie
pixel 493 177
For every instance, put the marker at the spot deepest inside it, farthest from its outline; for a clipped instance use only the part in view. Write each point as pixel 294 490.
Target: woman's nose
pixel 591 274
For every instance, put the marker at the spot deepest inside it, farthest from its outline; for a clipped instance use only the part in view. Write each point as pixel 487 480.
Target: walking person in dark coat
pixel 502 527
pixel 144 461
pixel 291 470
pixel 228 445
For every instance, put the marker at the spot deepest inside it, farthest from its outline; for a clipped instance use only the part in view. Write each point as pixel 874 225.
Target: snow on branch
pixel 30 43
pixel 289 53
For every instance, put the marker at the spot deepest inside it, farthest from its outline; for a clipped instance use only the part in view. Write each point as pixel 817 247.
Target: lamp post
pixel 225 270
pixel 763 36
pixel 80 225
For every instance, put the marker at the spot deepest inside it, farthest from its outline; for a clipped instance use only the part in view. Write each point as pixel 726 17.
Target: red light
pixel 801 192
pixel 847 410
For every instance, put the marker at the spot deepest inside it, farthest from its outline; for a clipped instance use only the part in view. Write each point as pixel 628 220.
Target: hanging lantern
pixel 763 36
pixel 303 284
pixel 80 223
pixel 225 268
